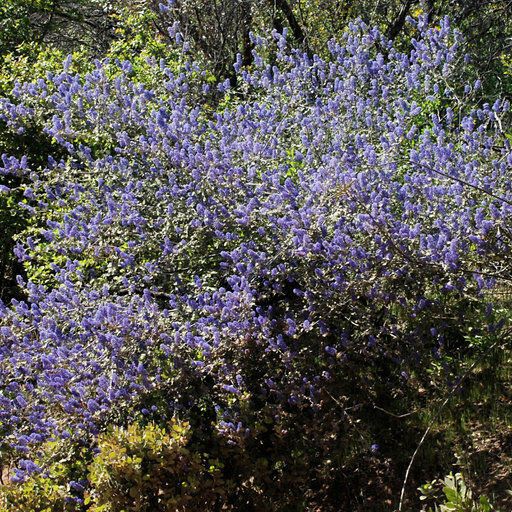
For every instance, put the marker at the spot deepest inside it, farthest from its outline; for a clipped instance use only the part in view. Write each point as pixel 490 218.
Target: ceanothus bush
pixel 242 251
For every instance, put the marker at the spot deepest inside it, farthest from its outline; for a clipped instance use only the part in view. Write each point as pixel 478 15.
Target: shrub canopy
pixel 249 257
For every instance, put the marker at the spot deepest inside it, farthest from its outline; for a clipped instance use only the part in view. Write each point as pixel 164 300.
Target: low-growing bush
pixel 457 497
pixel 149 468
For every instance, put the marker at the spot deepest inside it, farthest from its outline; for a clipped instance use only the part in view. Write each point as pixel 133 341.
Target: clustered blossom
pixel 195 238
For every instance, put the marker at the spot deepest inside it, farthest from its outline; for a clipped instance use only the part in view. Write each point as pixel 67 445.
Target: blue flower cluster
pixel 248 246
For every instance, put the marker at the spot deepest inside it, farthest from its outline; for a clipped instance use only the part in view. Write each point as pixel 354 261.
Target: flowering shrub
pixel 54 489
pixel 258 264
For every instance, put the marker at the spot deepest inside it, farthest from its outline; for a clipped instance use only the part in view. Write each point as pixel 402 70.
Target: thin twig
pixel 398 416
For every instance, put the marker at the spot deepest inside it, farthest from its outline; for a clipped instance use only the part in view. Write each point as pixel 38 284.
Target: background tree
pixel 65 24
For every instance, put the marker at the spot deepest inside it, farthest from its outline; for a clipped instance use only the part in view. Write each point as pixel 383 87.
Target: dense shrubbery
pixel 25 57
pixel 275 265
